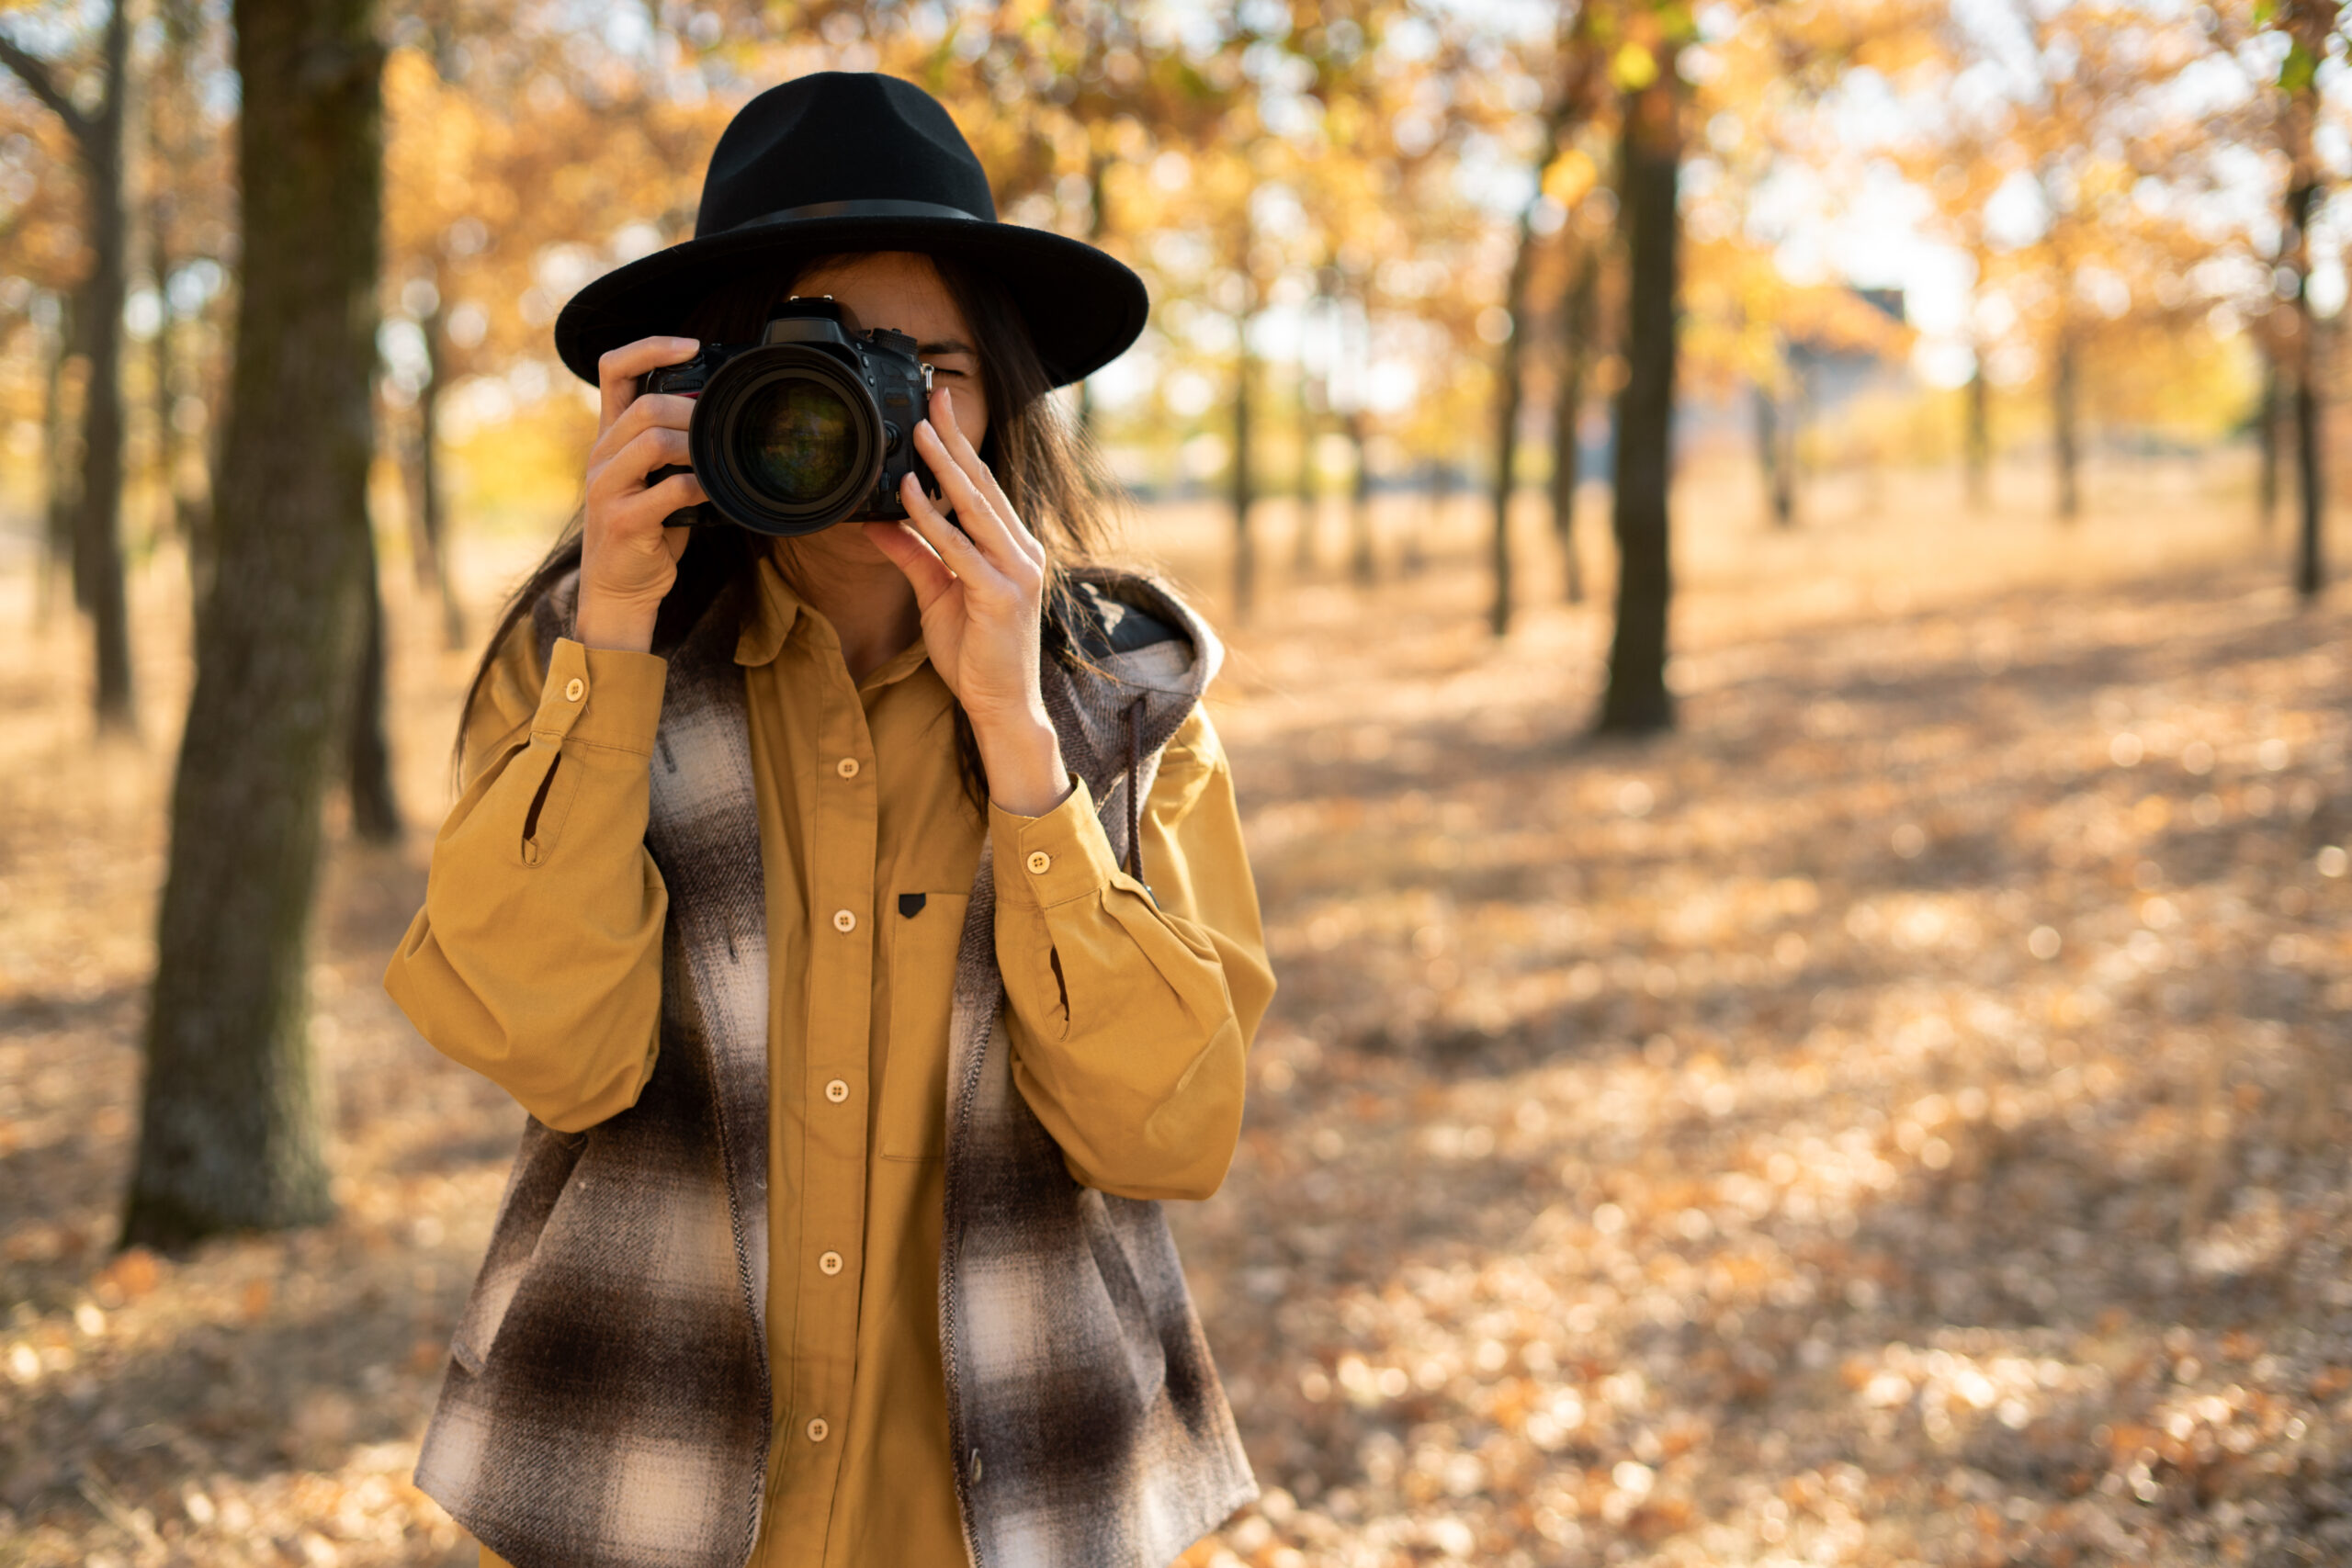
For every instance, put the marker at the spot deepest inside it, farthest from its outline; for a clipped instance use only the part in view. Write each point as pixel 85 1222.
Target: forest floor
pixel 1900 1118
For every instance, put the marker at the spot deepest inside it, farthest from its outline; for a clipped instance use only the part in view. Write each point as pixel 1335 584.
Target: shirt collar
pixel 906 661
pixel 777 609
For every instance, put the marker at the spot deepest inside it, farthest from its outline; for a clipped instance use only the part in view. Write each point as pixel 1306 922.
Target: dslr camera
pixel 812 425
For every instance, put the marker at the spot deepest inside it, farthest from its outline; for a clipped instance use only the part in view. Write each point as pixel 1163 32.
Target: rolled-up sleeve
pixel 1132 1008
pixel 536 958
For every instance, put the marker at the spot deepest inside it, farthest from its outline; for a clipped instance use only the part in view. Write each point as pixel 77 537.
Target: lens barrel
pixel 787 439
pixel 810 426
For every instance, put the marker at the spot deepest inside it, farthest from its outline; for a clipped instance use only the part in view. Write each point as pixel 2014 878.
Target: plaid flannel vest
pixel 608 1400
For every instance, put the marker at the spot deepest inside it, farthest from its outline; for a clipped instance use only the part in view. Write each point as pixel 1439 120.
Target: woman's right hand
pixel 627 559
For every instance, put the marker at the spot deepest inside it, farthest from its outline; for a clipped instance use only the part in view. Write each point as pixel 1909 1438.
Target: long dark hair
pixel 1049 469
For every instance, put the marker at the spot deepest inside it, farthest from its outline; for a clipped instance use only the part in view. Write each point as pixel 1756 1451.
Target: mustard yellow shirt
pixel 536 961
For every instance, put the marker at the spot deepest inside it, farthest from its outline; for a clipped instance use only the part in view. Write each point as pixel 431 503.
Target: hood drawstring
pixel 1134 816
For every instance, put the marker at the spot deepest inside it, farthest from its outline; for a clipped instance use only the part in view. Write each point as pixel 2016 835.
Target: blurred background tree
pixel 229 1129
pixel 2310 30
pixel 90 98
pixel 1645 68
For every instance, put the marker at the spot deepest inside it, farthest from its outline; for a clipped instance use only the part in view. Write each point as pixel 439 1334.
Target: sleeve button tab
pixel 1040 862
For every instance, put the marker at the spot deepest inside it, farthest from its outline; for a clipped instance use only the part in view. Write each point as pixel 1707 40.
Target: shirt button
pixel 817 1430
pixel 831 1263
pixel 837 1092
pixel 1040 862
pixel 844 920
pixel 846 767
pixel 575 689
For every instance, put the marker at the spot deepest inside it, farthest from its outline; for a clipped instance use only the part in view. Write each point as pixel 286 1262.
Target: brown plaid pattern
pixel 607 1401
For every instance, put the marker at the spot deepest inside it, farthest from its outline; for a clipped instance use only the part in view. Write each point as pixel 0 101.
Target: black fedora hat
pixel 842 161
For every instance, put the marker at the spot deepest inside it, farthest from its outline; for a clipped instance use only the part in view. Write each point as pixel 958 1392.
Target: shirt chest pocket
pixel 911 1115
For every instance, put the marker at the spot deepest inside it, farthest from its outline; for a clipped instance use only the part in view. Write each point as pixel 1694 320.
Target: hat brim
pixel 1084 308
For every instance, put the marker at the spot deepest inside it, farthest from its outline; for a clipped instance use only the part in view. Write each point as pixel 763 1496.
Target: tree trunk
pixel 1567 408
pixel 1976 440
pixel 77 445
pixel 99 535
pixel 162 366
pixel 230 1134
pixel 183 514
pixel 90 518
pixel 1098 223
pixel 61 472
pixel 2065 440
pixel 367 756
pixel 1637 701
pixel 1240 480
pixel 2310 564
pixel 1363 561
pixel 428 509
pixel 2268 418
pixel 2310 27
pixel 1510 389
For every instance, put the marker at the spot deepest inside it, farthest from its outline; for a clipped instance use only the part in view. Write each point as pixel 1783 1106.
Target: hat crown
pixel 838 136
pixel 843 162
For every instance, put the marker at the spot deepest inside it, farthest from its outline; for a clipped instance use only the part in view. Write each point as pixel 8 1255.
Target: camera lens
pixel 786 437
pixel 796 440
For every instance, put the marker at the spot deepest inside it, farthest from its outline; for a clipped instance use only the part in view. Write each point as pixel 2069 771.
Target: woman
pixel 796 888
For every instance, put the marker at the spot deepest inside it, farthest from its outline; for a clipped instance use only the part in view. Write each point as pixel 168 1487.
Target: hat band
pixel 876 208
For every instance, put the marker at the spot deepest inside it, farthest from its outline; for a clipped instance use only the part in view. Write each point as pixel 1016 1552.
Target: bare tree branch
pixel 35 74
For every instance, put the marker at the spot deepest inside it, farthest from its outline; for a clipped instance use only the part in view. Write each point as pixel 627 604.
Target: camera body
pixel 811 425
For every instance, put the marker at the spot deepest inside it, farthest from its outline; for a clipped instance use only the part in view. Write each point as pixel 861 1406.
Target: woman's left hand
pixel 981 590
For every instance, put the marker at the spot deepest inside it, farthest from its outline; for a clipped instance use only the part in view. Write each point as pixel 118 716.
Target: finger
pixel 626 472
pixel 646 515
pixel 666 410
pixel 968 458
pixel 676 491
pixel 617 370
pixel 981 521
pixel 952 543
pixel 907 550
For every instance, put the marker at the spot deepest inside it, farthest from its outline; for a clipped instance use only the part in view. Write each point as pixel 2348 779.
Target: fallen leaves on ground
pixel 1898 1119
